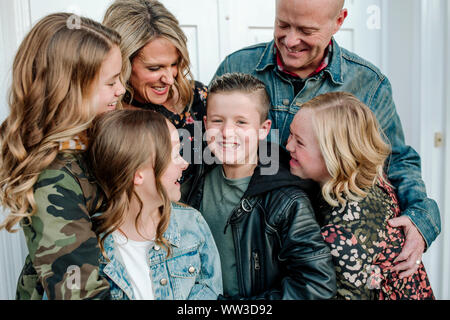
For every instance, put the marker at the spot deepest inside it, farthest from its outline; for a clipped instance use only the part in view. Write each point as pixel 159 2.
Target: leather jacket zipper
pixel 234 215
pixel 256 263
pixel 244 207
pixel 256 278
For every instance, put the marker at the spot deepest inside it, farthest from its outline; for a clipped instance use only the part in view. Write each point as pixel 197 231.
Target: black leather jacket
pixel 280 252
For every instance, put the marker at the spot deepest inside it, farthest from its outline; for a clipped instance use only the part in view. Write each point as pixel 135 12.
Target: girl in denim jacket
pixel 152 248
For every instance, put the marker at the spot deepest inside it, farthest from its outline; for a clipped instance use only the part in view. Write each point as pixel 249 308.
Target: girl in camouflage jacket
pixel 335 140
pixel 152 247
pixel 66 71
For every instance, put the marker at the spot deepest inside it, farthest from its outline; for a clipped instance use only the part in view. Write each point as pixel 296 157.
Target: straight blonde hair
pixel 352 144
pixel 141 21
pixel 53 74
pixel 122 142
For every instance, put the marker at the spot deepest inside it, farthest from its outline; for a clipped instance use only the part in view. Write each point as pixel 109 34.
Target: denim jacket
pixel 345 72
pixel 192 272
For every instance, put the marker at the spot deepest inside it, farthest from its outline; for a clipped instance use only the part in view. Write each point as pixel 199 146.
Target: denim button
pixel 157 248
pixel 286 102
pixel 298 104
pixel 163 282
pixel 191 269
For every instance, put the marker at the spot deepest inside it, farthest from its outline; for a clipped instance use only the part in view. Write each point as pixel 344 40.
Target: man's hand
pixel 412 250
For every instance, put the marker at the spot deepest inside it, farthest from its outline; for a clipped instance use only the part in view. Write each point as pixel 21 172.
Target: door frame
pixel 434 48
pixel 445 213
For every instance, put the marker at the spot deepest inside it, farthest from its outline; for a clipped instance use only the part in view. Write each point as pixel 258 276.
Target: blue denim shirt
pixel 192 272
pixel 346 72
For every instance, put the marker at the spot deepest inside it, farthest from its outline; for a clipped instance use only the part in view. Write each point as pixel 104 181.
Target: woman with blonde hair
pixel 157 70
pixel 336 141
pixel 63 76
pixel 153 248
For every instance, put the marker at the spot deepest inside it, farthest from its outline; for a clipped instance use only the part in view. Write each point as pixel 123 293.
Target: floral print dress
pixel 363 247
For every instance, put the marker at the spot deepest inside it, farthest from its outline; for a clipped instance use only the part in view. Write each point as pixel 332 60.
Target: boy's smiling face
pixel 234 127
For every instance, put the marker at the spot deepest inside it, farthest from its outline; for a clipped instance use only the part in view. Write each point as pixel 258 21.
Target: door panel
pixel 88 8
pixel 361 31
pixel 216 28
pixel 198 19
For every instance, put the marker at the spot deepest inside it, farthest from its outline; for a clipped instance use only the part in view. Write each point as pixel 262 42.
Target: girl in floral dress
pixel 336 141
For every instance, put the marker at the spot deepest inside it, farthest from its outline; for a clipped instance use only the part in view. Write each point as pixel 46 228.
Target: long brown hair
pixel 53 73
pixel 122 142
pixel 141 21
pixel 352 143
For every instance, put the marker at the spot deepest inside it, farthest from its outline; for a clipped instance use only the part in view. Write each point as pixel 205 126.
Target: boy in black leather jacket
pixel 260 215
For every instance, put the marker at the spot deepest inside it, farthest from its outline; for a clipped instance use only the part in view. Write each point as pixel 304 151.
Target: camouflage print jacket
pixel 63 259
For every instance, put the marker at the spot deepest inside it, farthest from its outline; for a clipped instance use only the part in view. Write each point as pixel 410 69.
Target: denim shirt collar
pixel 114 269
pixel 334 69
pixel 267 58
pixel 172 235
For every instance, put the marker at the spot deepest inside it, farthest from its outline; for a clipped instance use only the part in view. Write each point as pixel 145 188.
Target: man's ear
pixel 340 20
pixel 264 129
pixel 138 178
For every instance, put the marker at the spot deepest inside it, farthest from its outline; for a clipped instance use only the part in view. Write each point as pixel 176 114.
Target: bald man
pixel 303 61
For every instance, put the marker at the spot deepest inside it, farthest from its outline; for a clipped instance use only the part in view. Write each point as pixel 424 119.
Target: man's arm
pixel 404 168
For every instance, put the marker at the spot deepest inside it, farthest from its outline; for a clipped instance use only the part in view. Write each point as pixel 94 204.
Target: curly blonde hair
pixel 352 143
pixel 141 21
pixel 53 75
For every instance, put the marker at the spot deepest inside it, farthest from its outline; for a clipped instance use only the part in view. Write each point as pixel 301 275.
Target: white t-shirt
pixel 133 256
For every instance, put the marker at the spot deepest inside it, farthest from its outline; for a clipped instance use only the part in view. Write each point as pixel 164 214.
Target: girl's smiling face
pixel 307 161
pixel 109 88
pixel 145 181
pixel 172 175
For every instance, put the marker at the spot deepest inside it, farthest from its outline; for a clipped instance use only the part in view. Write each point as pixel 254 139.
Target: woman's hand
pixel 413 249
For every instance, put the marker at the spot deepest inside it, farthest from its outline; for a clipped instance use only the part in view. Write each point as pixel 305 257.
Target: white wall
pixel 445 293
pixel 415 60
pixel 12 246
pixel 402 49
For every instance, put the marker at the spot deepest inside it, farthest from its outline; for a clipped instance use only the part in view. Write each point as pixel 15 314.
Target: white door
pixel 361 32
pixel 198 19
pixel 243 23
pixel 88 8
pixel 216 28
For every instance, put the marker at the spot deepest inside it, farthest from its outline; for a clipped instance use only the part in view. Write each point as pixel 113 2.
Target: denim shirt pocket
pixel 183 269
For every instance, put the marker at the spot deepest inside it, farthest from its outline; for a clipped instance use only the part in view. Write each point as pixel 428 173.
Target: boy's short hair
pixel 244 83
